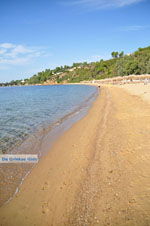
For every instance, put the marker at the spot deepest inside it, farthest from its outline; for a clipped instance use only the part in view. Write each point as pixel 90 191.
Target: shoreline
pixel 87 177
pixel 122 80
pixel 47 136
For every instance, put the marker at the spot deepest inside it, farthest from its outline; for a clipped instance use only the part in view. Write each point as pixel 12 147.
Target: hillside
pixel 136 63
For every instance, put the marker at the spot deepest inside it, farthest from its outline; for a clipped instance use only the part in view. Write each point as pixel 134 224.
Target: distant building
pixel 72 69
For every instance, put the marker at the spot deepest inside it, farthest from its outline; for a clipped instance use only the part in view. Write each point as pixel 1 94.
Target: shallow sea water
pixel 31 118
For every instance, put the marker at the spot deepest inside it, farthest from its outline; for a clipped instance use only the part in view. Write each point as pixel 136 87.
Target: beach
pixel 97 172
pixel 139 89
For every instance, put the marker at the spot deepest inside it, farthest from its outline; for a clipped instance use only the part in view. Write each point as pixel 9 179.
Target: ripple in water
pixel 27 114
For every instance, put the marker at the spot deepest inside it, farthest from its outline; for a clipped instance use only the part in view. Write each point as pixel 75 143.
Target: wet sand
pixel 97 173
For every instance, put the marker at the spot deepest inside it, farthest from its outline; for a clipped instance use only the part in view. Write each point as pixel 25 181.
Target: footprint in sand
pixel 45 186
pixel 45 208
pixel 132 201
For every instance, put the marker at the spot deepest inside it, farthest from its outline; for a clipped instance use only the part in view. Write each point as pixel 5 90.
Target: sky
pixel 40 34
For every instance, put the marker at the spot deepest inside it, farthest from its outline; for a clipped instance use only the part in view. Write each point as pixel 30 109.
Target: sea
pixel 31 119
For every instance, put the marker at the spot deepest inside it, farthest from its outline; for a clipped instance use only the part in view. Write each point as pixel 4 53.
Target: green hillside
pixel 119 65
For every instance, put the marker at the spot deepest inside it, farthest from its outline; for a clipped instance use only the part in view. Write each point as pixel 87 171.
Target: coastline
pixel 38 142
pixel 87 178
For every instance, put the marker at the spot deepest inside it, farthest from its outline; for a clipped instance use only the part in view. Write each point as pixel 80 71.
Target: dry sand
pixel 97 173
pixel 139 89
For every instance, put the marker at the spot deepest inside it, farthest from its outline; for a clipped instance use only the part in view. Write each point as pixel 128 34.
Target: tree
pixel 114 54
pixel 136 63
pixel 121 54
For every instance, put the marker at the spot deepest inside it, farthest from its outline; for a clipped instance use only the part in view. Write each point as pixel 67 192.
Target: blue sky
pixel 40 34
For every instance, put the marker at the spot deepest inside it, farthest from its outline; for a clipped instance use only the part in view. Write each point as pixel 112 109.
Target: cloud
pixel 98 57
pixel 102 4
pixel 12 54
pixel 133 28
pixel 2 51
pixel 6 45
pixel 94 58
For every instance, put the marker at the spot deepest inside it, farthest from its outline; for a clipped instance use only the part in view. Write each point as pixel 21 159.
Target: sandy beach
pixel 139 89
pixel 97 173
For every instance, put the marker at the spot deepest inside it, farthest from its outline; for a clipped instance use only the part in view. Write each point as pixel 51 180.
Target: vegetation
pixel 120 65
